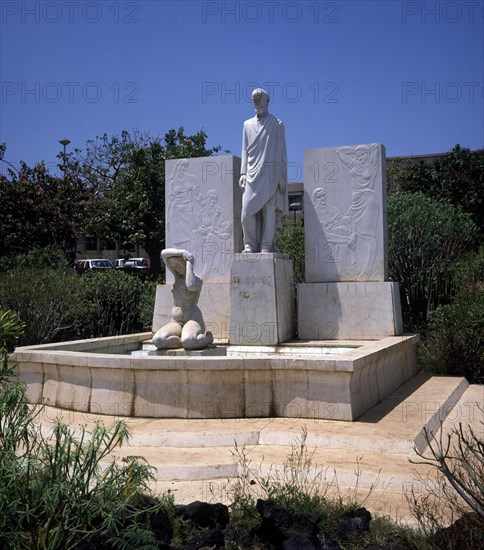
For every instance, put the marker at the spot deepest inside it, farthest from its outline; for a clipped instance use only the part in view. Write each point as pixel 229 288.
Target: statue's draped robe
pixel 264 161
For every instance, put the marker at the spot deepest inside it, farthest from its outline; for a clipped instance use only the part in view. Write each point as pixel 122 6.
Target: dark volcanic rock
pixel 204 514
pixel 161 526
pixel 285 529
pixel 467 532
pixel 213 538
pixel 353 523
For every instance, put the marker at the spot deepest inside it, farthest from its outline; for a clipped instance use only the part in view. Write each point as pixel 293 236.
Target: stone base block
pixel 339 311
pixel 262 307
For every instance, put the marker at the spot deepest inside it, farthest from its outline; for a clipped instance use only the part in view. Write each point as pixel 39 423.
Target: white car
pixel 135 264
pixel 93 264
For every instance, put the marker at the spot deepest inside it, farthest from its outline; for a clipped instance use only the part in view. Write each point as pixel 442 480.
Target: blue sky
pixel 407 74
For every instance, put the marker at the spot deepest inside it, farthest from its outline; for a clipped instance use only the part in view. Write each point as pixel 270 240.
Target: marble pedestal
pixel 262 309
pixel 335 311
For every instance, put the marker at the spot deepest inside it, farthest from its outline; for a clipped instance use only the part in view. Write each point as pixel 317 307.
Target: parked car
pixel 119 263
pixel 97 264
pixel 136 264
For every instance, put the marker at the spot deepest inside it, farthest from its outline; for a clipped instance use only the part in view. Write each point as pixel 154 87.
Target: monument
pixel 349 353
pixel 203 207
pixel 347 294
pixel 215 204
pixel 263 175
pixel 186 328
pixel 262 307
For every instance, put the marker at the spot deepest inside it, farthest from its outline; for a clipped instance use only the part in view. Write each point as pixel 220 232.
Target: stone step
pixel 348 469
pixel 198 458
pixel 395 425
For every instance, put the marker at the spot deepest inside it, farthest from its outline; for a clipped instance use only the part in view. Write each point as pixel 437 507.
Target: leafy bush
pixel 290 240
pixel 147 305
pixel 111 304
pixel 458 178
pixel 37 258
pixel 454 344
pixel 57 305
pixel 425 237
pixel 45 299
pixel 54 493
pixel 469 271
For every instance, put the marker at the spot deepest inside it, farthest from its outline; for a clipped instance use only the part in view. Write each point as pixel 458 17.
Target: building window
pixel 90 242
pixel 107 244
pixel 295 201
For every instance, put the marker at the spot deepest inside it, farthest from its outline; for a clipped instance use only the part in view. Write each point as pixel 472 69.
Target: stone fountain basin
pixel 338 380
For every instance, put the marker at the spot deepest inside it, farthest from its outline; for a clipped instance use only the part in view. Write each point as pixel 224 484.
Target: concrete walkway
pixel 367 459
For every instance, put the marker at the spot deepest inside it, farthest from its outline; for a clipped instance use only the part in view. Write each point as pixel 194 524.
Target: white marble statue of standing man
pixel 263 175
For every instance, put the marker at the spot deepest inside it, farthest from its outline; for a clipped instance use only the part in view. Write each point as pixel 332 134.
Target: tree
pixel 39 209
pixel 129 173
pixel 425 238
pixel 458 178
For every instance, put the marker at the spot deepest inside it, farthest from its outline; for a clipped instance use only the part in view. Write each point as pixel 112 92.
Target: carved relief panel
pixel 345 213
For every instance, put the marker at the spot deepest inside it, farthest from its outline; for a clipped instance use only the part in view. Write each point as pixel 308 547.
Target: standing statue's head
pixel 260 99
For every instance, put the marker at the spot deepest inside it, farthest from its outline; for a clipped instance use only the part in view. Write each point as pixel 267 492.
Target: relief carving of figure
pixel 186 328
pixel 337 228
pixel 182 189
pixel 363 164
pixel 263 175
pixel 210 232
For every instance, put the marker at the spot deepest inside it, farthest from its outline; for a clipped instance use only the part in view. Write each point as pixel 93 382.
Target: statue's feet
pixel 167 342
pixel 199 342
pixel 248 249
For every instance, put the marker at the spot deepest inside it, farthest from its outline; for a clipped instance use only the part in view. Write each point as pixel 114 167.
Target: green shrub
pixel 111 304
pixel 45 299
pixel 147 306
pixel 454 343
pixel 425 237
pixel 290 240
pixel 469 271
pixel 54 493
pixel 37 258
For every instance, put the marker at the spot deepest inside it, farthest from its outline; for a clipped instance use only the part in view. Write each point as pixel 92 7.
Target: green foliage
pixel 290 240
pixel 147 306
pixel 137 202
pixel 37 258
pixel 454 343
pixel 55 304
pixel 425 237
pixel 54 492
pixel 110 304
pixel 128 172
pixel 45 299
pixel 468 272
pixel 11 329
pixel 39 209
pixel 458 179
